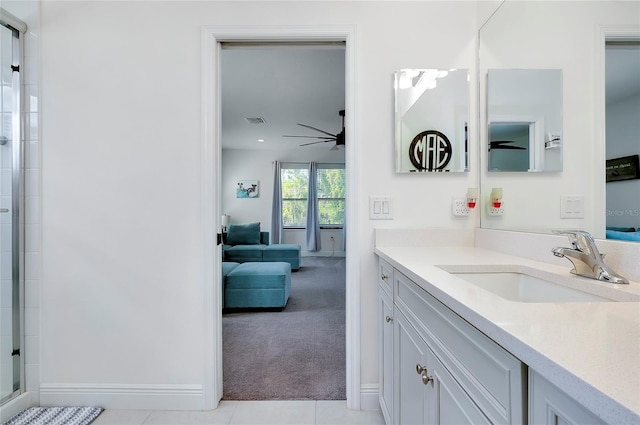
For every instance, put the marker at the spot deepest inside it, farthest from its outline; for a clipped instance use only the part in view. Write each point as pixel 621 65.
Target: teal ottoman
pixel 244 253
pixel 227 267
pixel 283 252
pixel 258 285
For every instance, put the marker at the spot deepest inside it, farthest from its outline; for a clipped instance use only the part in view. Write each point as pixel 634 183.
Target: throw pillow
pixel 243 234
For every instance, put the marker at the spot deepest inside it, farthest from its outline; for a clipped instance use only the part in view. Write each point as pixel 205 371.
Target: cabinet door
pixel 410 393
pixel 385 350
pixel 453 404
pixel 548 405
pixel 385 276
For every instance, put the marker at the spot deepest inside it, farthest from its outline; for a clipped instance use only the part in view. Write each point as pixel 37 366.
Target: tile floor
pixel 250 412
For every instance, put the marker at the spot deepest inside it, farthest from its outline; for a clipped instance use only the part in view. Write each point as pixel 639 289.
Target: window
pixel 295 192
pixel 295 189
pixel 331 195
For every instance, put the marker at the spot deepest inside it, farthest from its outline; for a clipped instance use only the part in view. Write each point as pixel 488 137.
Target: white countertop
pixel 591 350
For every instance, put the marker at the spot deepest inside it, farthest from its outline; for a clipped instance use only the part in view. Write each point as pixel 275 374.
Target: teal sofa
pixel 256 285
pixel 246 243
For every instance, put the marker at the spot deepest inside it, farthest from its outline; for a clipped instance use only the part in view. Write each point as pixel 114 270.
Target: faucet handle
pixel 580 239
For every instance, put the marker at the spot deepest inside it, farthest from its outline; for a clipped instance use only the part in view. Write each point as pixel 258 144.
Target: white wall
pixel 122 314
pixel 623 127
pixel 258 165
pixel 549 35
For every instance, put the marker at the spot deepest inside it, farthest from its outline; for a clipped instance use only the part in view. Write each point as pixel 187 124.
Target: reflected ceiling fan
pixel 329 137
pixel 502 144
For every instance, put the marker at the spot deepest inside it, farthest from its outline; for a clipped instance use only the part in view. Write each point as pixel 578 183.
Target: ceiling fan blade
pixel 501 144
pixel 316 129
pixel 513 148
pixel 313 137
pixel 313 143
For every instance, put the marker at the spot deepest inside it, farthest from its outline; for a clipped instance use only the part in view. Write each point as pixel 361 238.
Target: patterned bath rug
pixel 55 416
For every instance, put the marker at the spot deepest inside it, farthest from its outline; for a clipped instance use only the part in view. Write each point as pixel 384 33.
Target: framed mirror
pixel 431 120
pixel 524 110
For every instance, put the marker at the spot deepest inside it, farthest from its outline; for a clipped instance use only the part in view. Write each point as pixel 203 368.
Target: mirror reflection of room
pixel 525 120
pixel 622 91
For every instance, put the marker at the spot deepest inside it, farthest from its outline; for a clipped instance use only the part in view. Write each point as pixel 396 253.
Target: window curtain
pixel 276 207
pixel 343 245
pixel 313 215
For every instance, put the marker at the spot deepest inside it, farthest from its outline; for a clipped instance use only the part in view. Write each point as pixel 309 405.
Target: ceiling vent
pixel 255 120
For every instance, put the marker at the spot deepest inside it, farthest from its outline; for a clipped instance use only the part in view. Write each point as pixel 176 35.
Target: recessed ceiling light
pixel 260 140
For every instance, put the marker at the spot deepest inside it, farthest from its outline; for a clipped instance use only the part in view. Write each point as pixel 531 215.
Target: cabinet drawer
pixel 491 376
pixel 385 276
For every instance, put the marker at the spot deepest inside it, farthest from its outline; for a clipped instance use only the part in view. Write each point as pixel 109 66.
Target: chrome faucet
pixel 585 257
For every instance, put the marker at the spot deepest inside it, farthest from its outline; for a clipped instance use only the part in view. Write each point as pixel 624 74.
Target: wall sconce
pixel 224 221
pixel 472 197
pixel 496 197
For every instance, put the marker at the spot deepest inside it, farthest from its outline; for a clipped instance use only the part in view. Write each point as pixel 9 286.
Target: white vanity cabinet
pixel 548 405
pixel 425 392
pixel 445 370
pixel 385 338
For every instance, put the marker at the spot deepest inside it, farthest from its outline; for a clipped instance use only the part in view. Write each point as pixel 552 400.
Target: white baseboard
pixel 124 396
pixel 369 397
pixel 17 405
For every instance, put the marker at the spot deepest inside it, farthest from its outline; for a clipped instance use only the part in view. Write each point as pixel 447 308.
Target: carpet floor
pixel 295 354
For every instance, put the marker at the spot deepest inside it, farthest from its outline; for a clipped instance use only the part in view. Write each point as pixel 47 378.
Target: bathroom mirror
pixel 431 120
pixel 524 109
pixel 570 37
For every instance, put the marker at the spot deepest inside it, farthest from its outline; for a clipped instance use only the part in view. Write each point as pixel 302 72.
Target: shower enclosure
pixel 11 223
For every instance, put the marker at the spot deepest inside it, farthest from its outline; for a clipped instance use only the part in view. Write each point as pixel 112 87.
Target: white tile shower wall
pixel 32 203
pixel 29 12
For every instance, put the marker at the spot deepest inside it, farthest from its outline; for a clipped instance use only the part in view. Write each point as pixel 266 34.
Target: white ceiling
pixel 285 85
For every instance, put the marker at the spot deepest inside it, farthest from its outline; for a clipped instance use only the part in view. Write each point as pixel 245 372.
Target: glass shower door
pixel 10 169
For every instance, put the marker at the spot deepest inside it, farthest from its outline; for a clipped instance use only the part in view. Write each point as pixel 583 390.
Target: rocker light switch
pixel 380 208
pixel 571 206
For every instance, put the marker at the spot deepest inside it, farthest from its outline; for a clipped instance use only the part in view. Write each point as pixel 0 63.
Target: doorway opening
pixel 281 129
pixel 212 37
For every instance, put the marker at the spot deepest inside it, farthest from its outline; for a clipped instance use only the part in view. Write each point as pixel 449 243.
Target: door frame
pixel 211 37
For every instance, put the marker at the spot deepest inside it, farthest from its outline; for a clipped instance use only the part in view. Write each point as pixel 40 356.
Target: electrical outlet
pixel 493 211
pixel 459 207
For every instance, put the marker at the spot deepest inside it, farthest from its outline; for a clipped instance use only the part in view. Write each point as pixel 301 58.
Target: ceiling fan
pixel 337 138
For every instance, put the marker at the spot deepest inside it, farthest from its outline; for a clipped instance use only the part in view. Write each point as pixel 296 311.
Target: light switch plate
pixel 571 206
pixel 380 208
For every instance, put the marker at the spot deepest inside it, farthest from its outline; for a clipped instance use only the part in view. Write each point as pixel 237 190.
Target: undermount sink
pixel 523 287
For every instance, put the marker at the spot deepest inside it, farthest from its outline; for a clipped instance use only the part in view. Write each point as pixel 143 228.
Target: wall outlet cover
pixel 459 207
pixel 493 211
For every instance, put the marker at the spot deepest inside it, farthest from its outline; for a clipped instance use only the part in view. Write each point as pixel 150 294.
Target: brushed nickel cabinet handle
pixel 422 371
pixel 426 379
